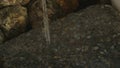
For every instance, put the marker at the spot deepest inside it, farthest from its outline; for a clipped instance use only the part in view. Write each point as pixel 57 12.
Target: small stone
pixel 112 47
pixel 22 58
pixel 56 57
pixel 77 36
pixel 101 52
pixel 55 49
pixel 118 34
pixel 49 67
pixel 118 42
pixel 88 37
pixel 95 48
pixel 85 48
pixel 78 49
pixel 105 51
pixel 114 35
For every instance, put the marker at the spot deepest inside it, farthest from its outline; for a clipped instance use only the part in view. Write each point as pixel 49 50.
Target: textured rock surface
pixel 13 20
pixel 86 39
pixel 56 8
pixel 4 3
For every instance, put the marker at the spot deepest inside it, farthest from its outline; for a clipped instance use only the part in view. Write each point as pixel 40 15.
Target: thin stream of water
pixel 46 21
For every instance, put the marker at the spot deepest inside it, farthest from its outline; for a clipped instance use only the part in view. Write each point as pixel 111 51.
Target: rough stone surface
pixel 13 20
pixel 87 39
pixel 4 3
pixel 56 9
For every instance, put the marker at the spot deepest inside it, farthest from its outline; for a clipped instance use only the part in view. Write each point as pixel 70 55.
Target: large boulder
pixel 13 20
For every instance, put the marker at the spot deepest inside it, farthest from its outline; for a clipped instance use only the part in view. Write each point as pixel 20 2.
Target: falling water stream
pixel 46 21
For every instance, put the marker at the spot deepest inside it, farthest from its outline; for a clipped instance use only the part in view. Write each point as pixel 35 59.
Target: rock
pixel 95 48
pixel 4 3
pixel 68 5
pixel 13 20
pixel 56 9
pixel 65 50
pixel 116 4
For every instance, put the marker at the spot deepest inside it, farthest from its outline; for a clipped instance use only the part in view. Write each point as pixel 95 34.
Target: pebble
pixel 95 48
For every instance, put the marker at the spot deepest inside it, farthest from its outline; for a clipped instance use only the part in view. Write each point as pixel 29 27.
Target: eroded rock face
pixel 13 20
pixel 12 2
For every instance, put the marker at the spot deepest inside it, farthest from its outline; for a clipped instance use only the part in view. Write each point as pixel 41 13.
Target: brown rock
pixel 57 9
pixel 12 2
pixel 68 5
pixel 13 20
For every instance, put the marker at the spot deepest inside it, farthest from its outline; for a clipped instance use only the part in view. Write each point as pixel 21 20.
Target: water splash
pixel 46 21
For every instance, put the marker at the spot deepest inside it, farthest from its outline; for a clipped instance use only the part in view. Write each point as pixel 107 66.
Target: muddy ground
pixel 89 38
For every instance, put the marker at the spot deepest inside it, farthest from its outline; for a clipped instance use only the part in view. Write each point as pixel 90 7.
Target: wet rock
pixel 4 3
pixel 13 20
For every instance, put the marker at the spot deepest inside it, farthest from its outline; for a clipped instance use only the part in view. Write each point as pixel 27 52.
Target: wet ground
pixel 89 38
